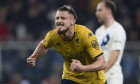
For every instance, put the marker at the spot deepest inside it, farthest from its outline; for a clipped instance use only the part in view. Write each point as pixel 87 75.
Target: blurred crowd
pixel 30 20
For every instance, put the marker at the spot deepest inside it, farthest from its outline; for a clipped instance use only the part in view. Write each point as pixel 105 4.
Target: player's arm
pixel 118 42
pixel 96 53
pixel 99 64
pixel 113 58
pixel 40 50
pixel 38 53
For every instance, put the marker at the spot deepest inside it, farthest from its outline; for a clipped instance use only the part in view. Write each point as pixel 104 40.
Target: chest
pixel 69 48
pixel 105 37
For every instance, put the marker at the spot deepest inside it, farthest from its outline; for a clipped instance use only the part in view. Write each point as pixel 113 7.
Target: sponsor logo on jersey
pixel 105 40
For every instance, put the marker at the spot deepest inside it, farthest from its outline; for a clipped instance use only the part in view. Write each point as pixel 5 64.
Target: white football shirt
pixel 112 38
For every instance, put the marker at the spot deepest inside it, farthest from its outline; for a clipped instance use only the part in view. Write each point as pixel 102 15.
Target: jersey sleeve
pixel 47 40
pixel 118 40
pixel 91 44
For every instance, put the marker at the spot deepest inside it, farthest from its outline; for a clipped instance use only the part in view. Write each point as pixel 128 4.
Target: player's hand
pixel 105 70
pixel 31 60
pixel 76 66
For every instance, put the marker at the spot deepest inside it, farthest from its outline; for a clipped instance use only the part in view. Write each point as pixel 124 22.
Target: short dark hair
pixel 111 5
pixel 69 9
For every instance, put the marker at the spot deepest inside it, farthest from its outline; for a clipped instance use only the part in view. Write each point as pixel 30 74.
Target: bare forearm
pixel 113 58
pixel 99 64
pixel 40 50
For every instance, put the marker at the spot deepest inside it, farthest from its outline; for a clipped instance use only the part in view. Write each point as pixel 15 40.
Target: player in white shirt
pixel 112 38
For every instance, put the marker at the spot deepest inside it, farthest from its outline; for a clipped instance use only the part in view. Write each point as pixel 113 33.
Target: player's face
pixel 63 21
pixel 101 12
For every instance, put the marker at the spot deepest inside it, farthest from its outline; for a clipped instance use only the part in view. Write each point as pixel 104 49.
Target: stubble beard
pixel 62 31
pixel 100 21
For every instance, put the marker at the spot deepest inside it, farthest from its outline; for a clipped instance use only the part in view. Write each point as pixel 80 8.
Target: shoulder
pixel 118 26
pixel 117 30
pixel 85 33
pixel 82 29
pixel 51 34
pixel 99 28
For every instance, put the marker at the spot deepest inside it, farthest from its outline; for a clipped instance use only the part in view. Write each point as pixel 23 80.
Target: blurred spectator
pixel 137 18
pixel 127 24
pixel 36 18
pixel 122 11
pixel 92 5
pixel 16 15
pixel 89 24
pixel 129 65
pixel 139 73
pixel 130 68
pixel 134 35
pixel 29 37
pixel 21 32
pixel 139 62
pixel 17 79
pixel 53 79
pixel 4 27
pixel 6 73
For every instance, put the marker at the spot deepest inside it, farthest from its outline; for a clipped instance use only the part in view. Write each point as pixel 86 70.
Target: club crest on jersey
pixel 95 44
pixel 89 34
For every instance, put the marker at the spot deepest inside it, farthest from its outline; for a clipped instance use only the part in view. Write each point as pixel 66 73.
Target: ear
pixel 109 11
pixel 73 21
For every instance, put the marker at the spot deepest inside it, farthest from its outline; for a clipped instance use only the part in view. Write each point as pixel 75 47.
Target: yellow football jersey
pixel 83 47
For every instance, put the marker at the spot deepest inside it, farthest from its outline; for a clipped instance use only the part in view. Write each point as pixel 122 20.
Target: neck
pixel 69 34
pixel 109 22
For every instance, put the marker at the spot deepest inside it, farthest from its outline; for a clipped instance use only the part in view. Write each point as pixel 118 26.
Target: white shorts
pixel 114 78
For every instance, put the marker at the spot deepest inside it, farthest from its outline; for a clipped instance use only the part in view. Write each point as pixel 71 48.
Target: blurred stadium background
pixel 23 23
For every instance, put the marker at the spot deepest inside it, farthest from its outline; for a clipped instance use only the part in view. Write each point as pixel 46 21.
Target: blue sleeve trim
pixel 106 82
pixel 99 55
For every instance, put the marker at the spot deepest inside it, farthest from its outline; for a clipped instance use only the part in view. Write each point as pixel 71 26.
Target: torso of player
pixel 73 49
pixel 107 38
pixel 76 49
pixel 70 49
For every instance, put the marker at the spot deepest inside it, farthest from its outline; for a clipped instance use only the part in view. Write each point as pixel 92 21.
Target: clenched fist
pixel 76 66
pixel 31 60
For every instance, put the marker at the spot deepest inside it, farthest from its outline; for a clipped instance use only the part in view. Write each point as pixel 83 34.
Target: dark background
pixel 23 23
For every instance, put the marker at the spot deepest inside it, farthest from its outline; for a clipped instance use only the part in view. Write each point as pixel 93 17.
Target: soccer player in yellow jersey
pixel 83 57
